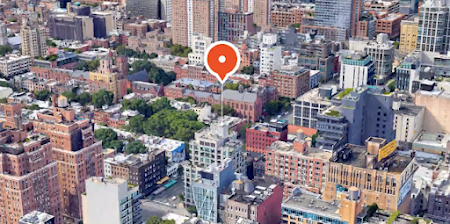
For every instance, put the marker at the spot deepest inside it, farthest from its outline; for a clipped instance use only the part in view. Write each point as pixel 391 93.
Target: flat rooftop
pixel 434 141
pixel 257 196
pixel 311 204
pixel 409 109
pixel 355 155
pixel 287 148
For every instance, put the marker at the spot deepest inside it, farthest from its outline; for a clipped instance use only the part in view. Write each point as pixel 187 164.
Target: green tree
pixel 117 145
pixel 34 107
pixel 243 130
pixel 50 43
pixel 3 100
pixel 154 220
pixel 138 104
pixel 396 44
pixel 101 98
pixel 295 25
pixel 5 49
pixel 227 110
pixel 161 104
pixel 43 95
pixel 250 70
pixel 93 65
pixel 192 209
pixel 136 124
pixel 129 90
pixel 135 147
pixel 84 98
pixel 415 221
pixel 4 84
pixel 70 96
pixel 181 197
pixel 188 99
pixel 272 107
pixel 106 135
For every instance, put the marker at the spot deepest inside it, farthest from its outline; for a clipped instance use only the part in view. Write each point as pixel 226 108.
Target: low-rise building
pixel 142 170
pixel 408 121
pixel 261 135
pixel 37 217
pixel 11 64
pixel 309 105
pixel 435 143
pixel 257 200
pixel 112 201
pixel 291 81
pixel 390 24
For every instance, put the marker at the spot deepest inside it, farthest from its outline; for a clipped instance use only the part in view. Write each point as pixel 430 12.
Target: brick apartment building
pixel 297 164
pixel 233 23
pixel 74 148
pixel 143 170
pixel 291 81
pixel 29 175
pixel 390 24
pixel 261 135
pixel 247 105
pixel 258 200
pixel 283 16
pixel 248 56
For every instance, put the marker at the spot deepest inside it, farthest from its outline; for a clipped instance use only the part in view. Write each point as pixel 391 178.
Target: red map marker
pixel 222 59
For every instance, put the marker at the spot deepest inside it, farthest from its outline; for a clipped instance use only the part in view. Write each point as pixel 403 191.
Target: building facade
pixel 199 45
pixel 211 146
pixel 233 24
pixel 270 54
pixel 32 39
pixel 433 22
pixel 111 201
pixel 408 35
pixel 11 64
pixel 149 9
pixel 309 105
pixel 261 135
pixel 408 121
pixel 436 119
pixel 357 70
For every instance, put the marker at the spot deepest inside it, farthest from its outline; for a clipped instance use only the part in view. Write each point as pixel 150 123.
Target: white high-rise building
pixel 166 10
pixel 111 201
pixel 356 70
pixel 212 146
pixel 199 44
pixel 270 54
pixel 33 39
pixel 433 33
pixel 381 51
pixel 3 34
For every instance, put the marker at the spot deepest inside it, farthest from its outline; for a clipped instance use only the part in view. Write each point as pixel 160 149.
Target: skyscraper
pixel 433 26
pixel 33 39
pixel 342 15
pixel 261 12
pixel 194 16
pixel 149 9
pixel 74 148
pixel 211 146
pixel 3 34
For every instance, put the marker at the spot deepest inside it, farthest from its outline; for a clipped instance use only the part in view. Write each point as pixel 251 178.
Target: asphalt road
pixel 167 194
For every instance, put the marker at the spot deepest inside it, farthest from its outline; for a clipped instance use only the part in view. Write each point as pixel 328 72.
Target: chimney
pixel 54 104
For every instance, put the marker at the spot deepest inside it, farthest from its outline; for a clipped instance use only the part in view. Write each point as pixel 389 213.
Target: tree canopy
pixel 135 147
pixel 235 86
pixel 88 66
pixel 102 97
pixel 155 74
pixel 84 98
pixel 138 104
pixel 178 50
pixel 243 130
pixel 157 220
pixel 124 51
pixel 109 139
pixel 43 95
pixel 227 110
pixel 274 107
pixel 5 49
pixel 250 70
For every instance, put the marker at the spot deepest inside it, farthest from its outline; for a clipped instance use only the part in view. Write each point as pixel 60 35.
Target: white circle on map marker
pixel 222 59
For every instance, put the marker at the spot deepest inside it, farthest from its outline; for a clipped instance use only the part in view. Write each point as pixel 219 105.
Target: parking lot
pixel 168 194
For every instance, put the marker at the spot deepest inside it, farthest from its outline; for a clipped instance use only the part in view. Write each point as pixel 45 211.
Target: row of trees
pixel 155 74
pixel 274 107
pixel 166 121
pixel 178 50
pixel 124 51
pixel 88 66
pixel 110 139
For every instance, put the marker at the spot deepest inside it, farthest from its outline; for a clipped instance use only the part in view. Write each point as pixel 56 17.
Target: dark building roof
pixel 139 76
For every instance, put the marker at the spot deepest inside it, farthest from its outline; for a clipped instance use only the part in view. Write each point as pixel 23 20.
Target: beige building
pixel 199 44
pixel 408 35
pixel 437 110
pixel 33 39
pixel 383 176
pixel 12 64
